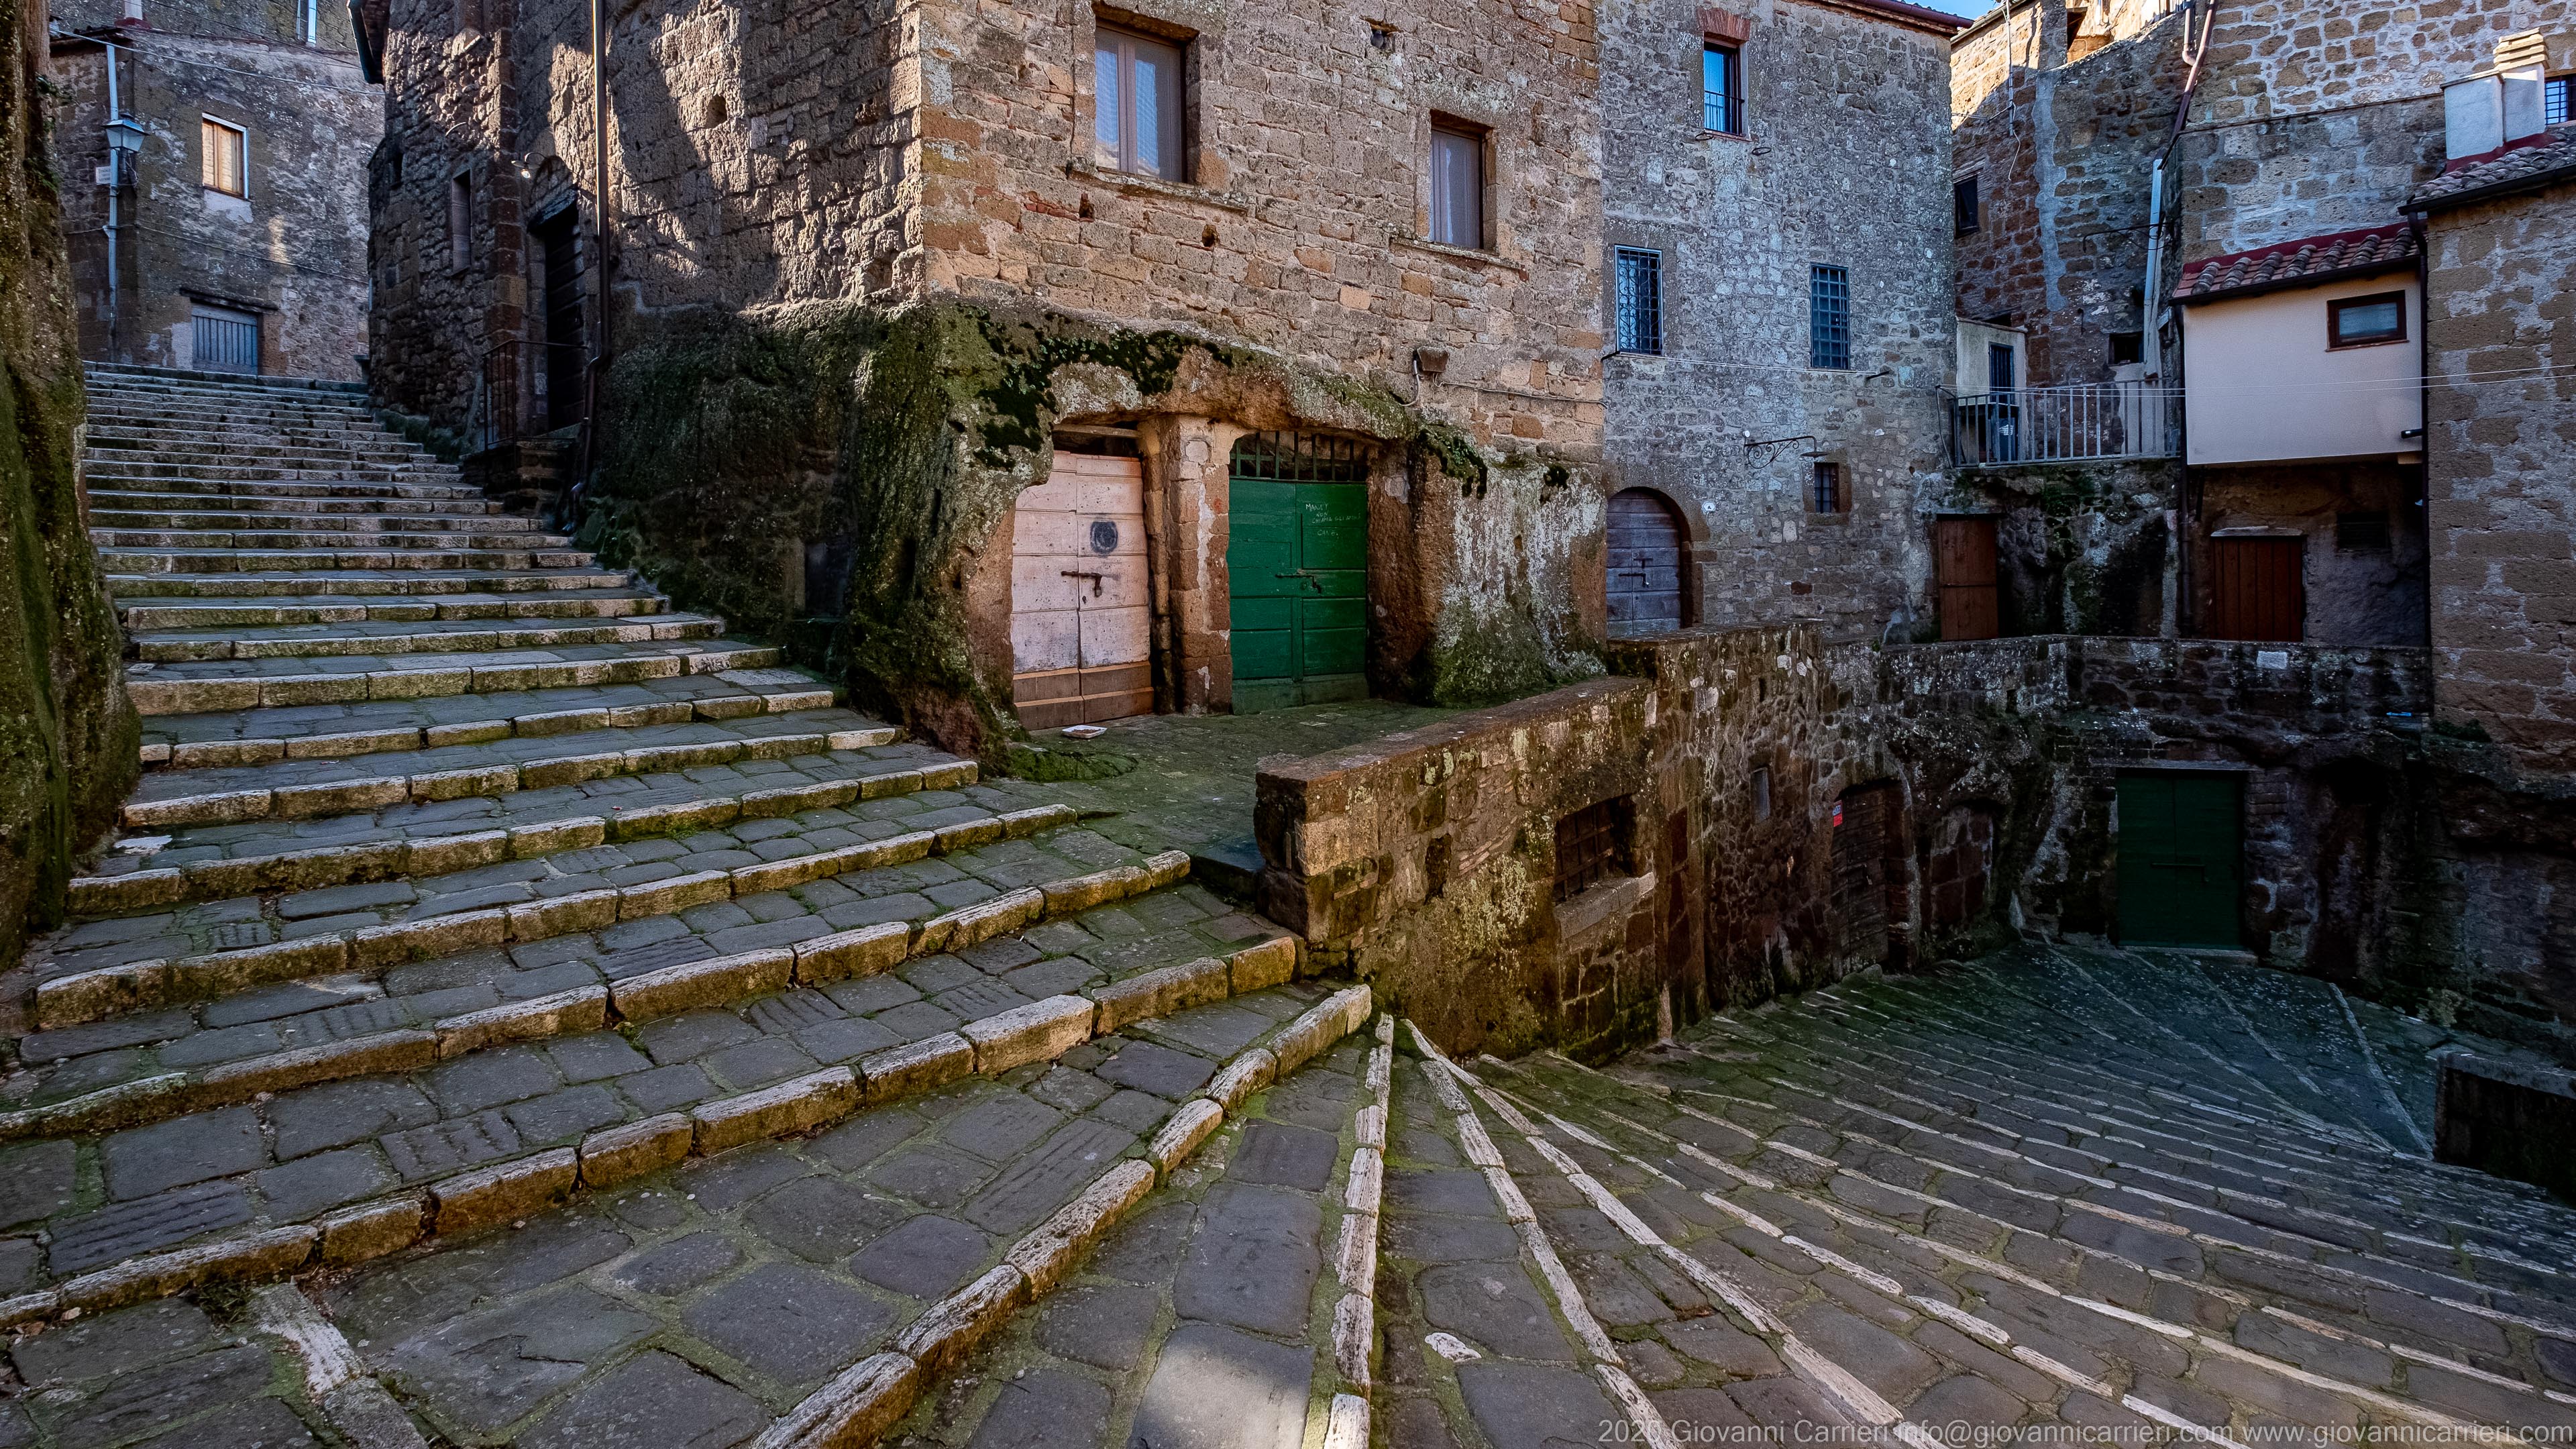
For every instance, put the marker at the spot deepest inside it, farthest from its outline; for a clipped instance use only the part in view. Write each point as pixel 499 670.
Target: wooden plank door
pixel 1964 563
pixel 1081 622
pixel 1646 551
pixel 1297 567
pixel 2180 847
pixel 2258 589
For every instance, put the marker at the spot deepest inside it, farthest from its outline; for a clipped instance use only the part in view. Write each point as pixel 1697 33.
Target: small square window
pixel 2366 321
pixel 227 158
pixel 1592 846
pixel 1828 317
pixel 1825 489
pixel 1457 187
pixel 1136 104
pixel 2128 347
pixel 1967 212
pixel 1721 88
pixel 1640 299
pixel 2558 100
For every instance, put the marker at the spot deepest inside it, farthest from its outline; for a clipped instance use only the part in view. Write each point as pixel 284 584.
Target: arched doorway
pixel 1647 548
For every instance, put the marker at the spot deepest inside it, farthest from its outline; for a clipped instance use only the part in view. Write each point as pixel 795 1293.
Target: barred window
pixel 1828 317
pixel 1640 280
pixel 1721 89
pixel 1592 846
pixel 1825 489
pixel 2555 103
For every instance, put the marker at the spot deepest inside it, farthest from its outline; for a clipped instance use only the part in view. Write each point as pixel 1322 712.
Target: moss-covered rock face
pixel 67 732
pixel 790 465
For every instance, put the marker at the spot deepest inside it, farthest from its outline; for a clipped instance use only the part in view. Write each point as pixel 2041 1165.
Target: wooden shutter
pixel 2257 589
pixel 1964 562
pixel 1646 554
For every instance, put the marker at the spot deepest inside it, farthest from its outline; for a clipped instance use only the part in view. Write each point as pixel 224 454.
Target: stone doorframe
pixel 1187 466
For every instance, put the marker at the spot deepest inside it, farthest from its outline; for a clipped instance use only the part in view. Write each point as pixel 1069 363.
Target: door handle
pixel 1078 574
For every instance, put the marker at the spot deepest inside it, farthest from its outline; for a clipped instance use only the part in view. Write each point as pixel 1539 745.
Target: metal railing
pixel 2087 422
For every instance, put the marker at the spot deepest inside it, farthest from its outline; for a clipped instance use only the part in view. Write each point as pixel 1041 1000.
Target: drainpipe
pixel 122 140
pixel 2423 222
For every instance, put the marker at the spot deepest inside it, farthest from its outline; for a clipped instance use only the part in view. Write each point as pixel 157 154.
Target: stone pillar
pixel 1185 515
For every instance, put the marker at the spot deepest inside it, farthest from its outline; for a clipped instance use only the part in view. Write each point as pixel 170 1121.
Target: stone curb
pixel 208 696
pixel 221 754
pixel 870 1397
pixel 865 951
pixel 305 802
pixel 291 870
pixel 504 1191
pixel 86 996
pixel 1355 1262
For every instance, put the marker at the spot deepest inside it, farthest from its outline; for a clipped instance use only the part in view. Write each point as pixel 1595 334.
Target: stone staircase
pixel 478 911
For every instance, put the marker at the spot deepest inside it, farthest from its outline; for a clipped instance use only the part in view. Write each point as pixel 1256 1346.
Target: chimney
pixel 2499 105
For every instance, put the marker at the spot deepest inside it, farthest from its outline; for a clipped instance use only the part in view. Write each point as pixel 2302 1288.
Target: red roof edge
pixel 1915 16
pixel 2185 291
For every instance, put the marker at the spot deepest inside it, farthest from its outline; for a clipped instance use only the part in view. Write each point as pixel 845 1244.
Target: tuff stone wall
pixel 68 735
pixel 2357 593
pixel 292 250
pixel 2502 472
pixel 1842 163
pixel 2081 548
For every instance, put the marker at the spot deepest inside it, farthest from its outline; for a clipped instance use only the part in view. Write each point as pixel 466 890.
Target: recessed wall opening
pixel 1592 846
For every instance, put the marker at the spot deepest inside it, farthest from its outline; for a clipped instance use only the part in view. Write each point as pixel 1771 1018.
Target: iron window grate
pixel 1641 300
pixel 1300 458
pixel 2558 104
pixel 1828 317
pixel 1591 847
pixel 1825 492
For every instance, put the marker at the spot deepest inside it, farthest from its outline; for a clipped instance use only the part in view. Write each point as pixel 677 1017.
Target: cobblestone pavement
pixel 680 1061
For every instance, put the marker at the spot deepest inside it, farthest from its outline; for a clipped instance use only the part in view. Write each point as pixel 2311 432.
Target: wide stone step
pixel 284 788
pixel 182 488
pixel 482 534
pixel 123 474
pixel 197 446
pixel 227 684
pixel 226 509
pixel 181 613
pixel 381 558
pixel 395 638
pixel 342 731
pixel 354 526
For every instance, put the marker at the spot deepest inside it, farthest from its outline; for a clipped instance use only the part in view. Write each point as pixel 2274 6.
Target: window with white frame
pixel 1136 104
pixel 227 156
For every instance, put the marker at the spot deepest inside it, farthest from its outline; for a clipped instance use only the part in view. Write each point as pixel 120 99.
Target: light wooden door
pixel 1081 618
pixel 1964 562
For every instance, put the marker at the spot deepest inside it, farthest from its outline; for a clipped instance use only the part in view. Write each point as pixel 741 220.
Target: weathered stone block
pixel 563 915
pixel 479 1199
pixel 1159 992
pixel 941 1338
pixel 561 1014
pixel 966 835
pixel 917 1066
pixel 1039 1031
pixel 866 951
pixel 668 819
pixel 686 987
pixel 1183 1132
pixel 373 1229
pixel 377 947
pixel 1082 892
pixel 581 832
pixel 1269 964
pixel 437 855
pixel 614 1154
pixel 1050 1250
pixel 795 1105
pixel 390 1051
pixel 267 1254
pixel 971 925
pixel 1242 1077
pixel 664 897
pixel 857 1407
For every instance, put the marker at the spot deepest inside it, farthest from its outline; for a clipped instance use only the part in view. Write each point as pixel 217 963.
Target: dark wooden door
pixel 2258 589
pixel 1646 551
pixel 563 365
pixel 1964 562
pixel 1864 878
pixel 2179 853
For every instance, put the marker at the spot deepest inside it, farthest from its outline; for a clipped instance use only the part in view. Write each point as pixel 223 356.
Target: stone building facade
pixel 1832 156
pixel 212 154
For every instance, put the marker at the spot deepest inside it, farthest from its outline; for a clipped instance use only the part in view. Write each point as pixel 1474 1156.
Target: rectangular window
pixel 1592 846
pixel 2558 100
pixel 1999 367
pixel 1136 104
pixel 1967 212
pixel 1828 317
pixel 2128 347
pixel 2366 321
pixel 2362 532
pixel 1721 89
pixel 460 221
pixel 227 159
pixel 1457 187
pixel 1825 489
pixel 1640 300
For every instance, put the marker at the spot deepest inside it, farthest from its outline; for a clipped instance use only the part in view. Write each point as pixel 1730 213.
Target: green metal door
pixel 2179 853
pixel 1297 559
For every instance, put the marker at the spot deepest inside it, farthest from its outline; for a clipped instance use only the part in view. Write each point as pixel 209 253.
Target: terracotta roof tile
pixel 2297 263
pixel 2526 162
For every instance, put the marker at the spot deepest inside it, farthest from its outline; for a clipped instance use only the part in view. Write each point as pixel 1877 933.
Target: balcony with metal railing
pixel 2089 422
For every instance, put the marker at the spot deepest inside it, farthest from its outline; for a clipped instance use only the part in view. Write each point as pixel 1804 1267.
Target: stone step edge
pixel 331 865
pixel 215 696
pixel 536 724
pixel 264 539
pixel 856 1408
pixel 134 561
pixel 2378 1400
pixel 306 802
pixel 83 996
pixel 2071 1098
pixel 490 1196
pixel 865 951
pixel 180 615
pixel 494 581
pixel 2319 1221
pixel 513 634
